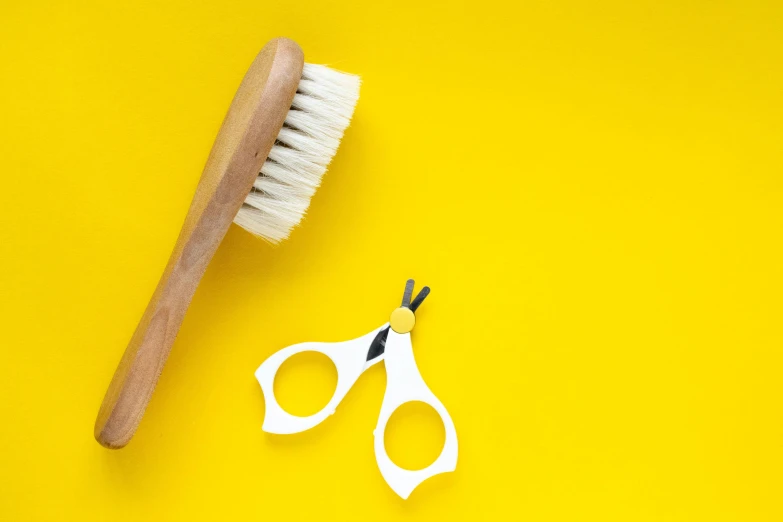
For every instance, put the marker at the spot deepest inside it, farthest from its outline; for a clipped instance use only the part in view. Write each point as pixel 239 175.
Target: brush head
pixel 320 112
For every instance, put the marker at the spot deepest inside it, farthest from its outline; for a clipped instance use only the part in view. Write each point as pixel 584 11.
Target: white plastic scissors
pixel 392 342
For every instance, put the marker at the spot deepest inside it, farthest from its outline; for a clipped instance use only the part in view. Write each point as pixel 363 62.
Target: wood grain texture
pixel 241 147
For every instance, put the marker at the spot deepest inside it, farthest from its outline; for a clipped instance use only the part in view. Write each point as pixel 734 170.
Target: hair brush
pixel 281 131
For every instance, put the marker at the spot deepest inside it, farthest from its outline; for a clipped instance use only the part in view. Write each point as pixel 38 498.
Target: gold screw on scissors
pixel 403 319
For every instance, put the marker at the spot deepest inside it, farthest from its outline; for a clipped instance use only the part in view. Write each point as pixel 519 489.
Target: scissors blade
pixel 378 344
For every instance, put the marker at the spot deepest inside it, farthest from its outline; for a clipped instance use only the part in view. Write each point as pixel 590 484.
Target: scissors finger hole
pixel 305 383
pixel 414 436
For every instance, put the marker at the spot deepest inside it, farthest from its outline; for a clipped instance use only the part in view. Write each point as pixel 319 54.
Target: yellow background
pixel 593 190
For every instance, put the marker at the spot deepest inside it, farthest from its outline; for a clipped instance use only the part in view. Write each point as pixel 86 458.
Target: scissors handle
pixel 349 359
pixel 404 384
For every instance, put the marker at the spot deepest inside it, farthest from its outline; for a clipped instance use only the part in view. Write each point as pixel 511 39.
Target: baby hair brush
pixel 281 131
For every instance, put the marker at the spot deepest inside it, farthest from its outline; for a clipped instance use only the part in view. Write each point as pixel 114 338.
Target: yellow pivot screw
pixel 402 320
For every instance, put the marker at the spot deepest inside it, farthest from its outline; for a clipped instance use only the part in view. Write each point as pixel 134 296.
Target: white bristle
pixel 321 111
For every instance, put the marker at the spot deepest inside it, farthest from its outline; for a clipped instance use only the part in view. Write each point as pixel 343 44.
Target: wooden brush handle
pixel 242 145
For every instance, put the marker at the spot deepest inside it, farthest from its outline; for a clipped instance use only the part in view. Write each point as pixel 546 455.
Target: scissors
pixel 390 342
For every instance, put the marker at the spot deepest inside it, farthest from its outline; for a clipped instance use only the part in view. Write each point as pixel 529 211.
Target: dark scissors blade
pixel 378 345
pixel 423 293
